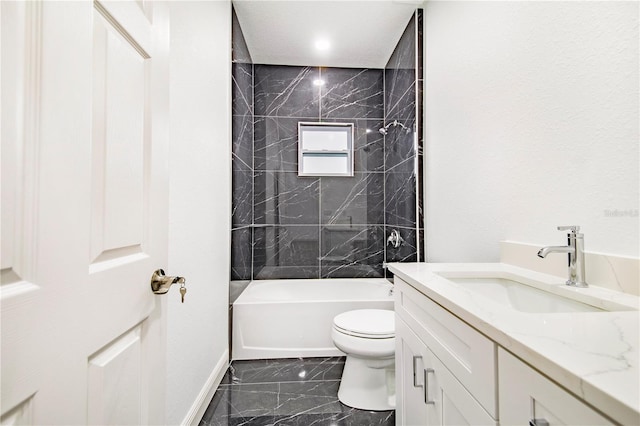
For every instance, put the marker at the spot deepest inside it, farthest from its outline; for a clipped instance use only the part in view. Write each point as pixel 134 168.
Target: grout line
pixel 320 185
pixel 253 165
pixel 282 381
pixel 384 172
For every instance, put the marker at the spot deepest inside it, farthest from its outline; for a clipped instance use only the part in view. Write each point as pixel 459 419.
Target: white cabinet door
pixel 84 211
pixel 454 405
pixel 528 397
pixel 410 366
pixel 427 392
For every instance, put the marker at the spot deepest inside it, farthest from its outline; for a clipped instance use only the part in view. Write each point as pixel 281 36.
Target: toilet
pixel 367 337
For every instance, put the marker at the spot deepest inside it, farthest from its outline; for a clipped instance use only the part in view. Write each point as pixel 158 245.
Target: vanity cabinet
pixel 427 392
pixel 448 373
pixel 528 397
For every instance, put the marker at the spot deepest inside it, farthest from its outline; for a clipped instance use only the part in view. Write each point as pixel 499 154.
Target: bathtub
pixel 293 318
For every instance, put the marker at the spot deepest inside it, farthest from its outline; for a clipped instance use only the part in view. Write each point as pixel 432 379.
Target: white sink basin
pixel 524 294
pixel 522 297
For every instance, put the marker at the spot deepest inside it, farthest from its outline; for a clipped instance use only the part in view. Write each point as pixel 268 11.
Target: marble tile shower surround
pixel 299 391
pixel 322 227
pixel 242 154
pixel 403 151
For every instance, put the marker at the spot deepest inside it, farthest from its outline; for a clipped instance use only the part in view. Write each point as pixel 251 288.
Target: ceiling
pixel 361 34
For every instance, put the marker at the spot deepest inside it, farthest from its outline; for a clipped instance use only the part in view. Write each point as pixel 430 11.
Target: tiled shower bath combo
pixel 286 226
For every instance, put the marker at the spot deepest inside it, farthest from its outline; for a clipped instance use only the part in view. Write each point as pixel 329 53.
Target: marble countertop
pixel 595 355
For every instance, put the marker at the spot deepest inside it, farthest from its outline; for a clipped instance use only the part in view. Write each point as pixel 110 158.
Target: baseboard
pixel 206 393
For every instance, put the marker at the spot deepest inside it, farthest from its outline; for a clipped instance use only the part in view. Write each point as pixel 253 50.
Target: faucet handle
pixel 572 228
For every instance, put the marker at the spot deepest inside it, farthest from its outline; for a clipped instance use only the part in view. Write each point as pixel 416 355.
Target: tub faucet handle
pixel 395 240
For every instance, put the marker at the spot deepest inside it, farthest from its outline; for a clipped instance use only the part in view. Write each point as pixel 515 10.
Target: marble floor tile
pixel 287 392
pixel 284 370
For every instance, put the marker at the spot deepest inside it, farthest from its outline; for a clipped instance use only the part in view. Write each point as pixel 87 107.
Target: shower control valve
pixel 395 240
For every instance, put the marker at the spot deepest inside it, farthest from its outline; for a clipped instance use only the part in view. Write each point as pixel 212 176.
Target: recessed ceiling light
pixel 318 82
pixel 323 44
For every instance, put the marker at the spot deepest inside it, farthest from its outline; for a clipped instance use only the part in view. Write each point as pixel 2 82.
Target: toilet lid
pixel 373 323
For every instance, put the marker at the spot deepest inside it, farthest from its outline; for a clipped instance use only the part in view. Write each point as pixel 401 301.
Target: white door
pixel 84 211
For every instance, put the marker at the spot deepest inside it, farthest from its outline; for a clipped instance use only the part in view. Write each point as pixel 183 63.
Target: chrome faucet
pixel 575 251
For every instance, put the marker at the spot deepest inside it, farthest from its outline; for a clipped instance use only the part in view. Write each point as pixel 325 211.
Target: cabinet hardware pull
pixel 538 422
pixel 426 387
pixel 415 384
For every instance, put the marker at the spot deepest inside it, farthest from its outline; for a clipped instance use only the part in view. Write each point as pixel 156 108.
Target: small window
pixel 325 149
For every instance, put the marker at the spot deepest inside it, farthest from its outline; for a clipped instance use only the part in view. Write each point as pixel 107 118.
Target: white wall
pixel 531 122
pixel 200 185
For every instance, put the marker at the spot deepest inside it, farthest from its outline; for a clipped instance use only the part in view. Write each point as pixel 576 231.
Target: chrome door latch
pixel 161 283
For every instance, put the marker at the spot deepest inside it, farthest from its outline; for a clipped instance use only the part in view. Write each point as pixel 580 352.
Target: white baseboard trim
pixel 206 393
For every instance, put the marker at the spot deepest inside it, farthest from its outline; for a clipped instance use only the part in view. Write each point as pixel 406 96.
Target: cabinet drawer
pixel 528 396
pixel 469 355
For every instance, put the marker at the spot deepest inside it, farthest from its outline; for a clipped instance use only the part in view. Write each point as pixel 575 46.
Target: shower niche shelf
pixel 325 149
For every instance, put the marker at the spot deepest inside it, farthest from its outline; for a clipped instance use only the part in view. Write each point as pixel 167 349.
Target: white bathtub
pixel 293 318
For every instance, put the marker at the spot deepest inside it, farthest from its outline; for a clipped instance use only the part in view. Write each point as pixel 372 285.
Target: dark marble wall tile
pixel 352 251
pixel 404 55
pixel 242 195
pixel 404 107
pixel 399 83
pixel 276 144
pixel 357 200
pixel 403 151
pixel 286 91
pixel 400 202
pixel 407 252
pixel 368 144
pixel 420 40
pixel 400 150
pixel 242 139
pixel 241 254
pixel 352 93
pixel 284 198
pixel 242 89
pixel 286 252
pixel 285 95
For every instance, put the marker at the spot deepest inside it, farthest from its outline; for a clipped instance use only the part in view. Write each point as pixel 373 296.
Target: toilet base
pixel 368 388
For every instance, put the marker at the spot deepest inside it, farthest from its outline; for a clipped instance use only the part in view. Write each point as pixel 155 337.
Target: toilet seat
pixel 366 323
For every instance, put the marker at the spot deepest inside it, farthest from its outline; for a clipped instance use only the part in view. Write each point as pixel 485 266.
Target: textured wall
pixel 199 224
pixel 531 122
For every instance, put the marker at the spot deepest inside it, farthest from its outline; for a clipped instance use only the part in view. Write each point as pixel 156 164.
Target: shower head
pixel 384 130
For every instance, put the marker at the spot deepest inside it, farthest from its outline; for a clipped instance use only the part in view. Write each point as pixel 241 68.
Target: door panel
pixel 85 206
pixel 115 382
pixel 119 115
pixel 20 296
